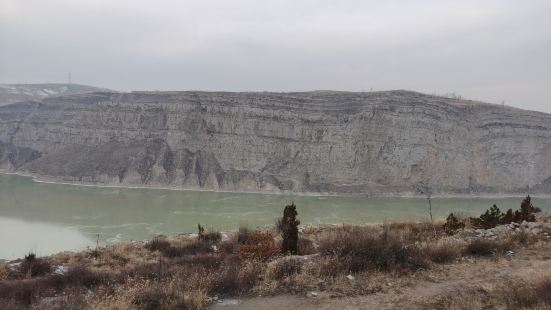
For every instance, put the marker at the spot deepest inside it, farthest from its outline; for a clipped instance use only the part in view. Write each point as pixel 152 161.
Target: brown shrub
pixel 486 247
pixel 249 274
pixel 149 298
pixel 79 276
pixel 414 231
pixel 521 294
pixel 20 292
pixel 4 271
pixel 227 247
pixel 358 249
pixel 10 304
pixel 189 248
pixel 543 291
pixel 145 271
pixel 158 243
pixel 245 235
pixel 211 237
pixel 26 291
pixel 193 300
pixel 328 266
pixel 443 251
pixel 513 293
pixel 212 261
pixel 305 246
pixel 229 278
pixel 33 266
pixel 284 267
pixel 256 245
pixel 93 253
pixel 523 238
pixel 171 294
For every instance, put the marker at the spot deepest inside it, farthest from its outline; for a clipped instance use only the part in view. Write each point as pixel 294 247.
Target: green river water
pixel 47 218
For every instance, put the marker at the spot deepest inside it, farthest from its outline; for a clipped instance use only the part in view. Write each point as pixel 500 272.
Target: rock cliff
pixel 323 142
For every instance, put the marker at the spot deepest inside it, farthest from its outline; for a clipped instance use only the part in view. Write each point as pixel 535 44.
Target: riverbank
pixel 381 266
pixel 55 180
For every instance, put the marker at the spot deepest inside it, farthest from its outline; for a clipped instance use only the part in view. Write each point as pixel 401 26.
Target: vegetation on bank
pixel 493 217
pixel 186 272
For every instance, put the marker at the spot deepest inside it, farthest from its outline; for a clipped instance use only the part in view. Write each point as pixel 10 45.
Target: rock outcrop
pixel 330 142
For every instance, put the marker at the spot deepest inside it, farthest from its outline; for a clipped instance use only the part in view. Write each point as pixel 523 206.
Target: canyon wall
pixel 373 143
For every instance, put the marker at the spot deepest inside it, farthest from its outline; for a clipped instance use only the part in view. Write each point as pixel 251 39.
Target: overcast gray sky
pixel 486 50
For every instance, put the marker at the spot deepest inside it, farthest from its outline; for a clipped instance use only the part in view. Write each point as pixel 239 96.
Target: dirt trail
pixel 530 264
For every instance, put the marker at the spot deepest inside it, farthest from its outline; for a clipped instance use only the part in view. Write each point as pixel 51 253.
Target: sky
pixel 495 51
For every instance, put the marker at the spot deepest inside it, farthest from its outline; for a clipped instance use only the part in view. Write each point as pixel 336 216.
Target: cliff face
pixel 337 142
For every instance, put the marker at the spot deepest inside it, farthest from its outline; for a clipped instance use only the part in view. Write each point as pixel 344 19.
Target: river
pixel 46 218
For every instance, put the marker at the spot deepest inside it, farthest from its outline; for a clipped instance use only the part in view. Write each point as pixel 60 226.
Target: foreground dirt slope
pixel 446 280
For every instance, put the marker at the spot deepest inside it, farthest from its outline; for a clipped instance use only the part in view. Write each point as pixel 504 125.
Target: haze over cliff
pixel 11 93
pixel 330 142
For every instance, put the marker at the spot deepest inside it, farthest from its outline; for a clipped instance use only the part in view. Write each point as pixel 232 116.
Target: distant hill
pixel 11 93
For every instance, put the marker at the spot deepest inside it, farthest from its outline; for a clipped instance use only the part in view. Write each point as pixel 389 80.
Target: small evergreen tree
pixel 526 206
pixel 508 217
pixel 288 226
pixel 493 217
pixel 490 219
pixel 526 212
pixel 453 224
pixel 200 230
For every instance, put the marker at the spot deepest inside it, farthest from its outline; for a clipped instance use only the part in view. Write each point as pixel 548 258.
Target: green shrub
pixel 508 217
pixel 526 212
pixel 288 226
pixel 493 217
pixel 490 219
pixel 452 224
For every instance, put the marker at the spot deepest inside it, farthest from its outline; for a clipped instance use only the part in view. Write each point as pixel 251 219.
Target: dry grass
pixel 4 271
pixel 180 272
pixel 284 267
pixel 33 266
pixel 357 249
pixel 25 292
pixel 443 251
pixel 159 243
pixel 507 294
pixel 256 245
pixel 487 247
